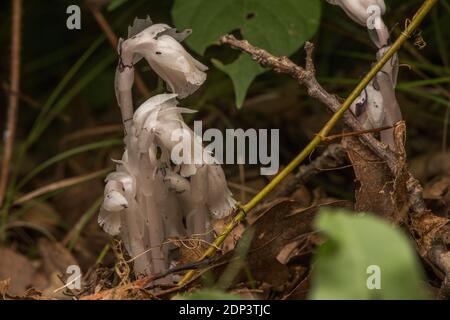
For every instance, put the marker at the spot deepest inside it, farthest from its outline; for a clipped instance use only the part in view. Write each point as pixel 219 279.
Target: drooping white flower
pixel 161 116
pixel 358 9
pixel 115 201
pixel 367 13
pixel 160 45
pixel 119 190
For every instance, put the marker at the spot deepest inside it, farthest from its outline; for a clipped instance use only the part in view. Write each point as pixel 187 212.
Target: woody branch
pixel 307 76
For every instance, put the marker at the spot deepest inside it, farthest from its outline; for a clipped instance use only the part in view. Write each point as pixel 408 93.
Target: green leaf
pixel 242 72
pixel 357 243
pixel 208 294
pixel 115 4
pixel 280 28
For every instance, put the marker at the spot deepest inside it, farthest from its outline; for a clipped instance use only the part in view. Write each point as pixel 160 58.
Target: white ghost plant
pixel 159 45
pixel 367 13
pixel 149 199
pixel 377 105
pixel 369 107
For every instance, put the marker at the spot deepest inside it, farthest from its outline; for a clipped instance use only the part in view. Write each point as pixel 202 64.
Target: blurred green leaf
pixel 281 29
pixel 115 4
pixel 355 244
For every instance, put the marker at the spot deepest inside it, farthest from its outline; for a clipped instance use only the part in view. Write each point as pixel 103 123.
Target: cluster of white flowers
pixel 377 105
pixel 149 200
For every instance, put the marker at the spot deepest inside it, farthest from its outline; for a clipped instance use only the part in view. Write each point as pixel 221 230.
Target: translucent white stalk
pixel 377 105
pixel 150 200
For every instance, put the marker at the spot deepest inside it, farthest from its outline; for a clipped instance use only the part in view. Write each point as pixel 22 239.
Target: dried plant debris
pixel 376 190
pixel 280 250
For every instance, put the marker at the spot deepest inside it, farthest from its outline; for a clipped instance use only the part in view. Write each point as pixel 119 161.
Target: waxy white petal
pixel 114 201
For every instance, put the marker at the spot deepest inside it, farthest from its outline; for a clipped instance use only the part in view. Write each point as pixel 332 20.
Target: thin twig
pixel 9 135
pixel 25 98
pixel 356 133
pixel 89 132
pixel 70 182
pixel 306 76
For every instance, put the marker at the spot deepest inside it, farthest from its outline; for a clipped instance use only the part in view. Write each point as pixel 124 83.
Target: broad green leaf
pixel 280 27
pixel 242 72
pixel 356 246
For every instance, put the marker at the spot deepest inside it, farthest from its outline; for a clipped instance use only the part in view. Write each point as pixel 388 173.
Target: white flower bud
pixel 110 222
pixel 114 201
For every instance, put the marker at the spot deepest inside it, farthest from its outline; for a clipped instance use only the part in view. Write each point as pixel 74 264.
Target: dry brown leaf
pixel 429 228
pixel 55 257
pixel 379 191
pixel 18 269
pixel 284 222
